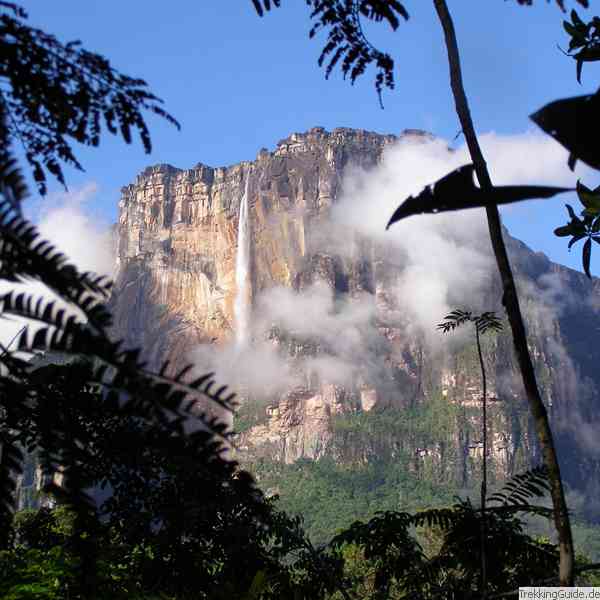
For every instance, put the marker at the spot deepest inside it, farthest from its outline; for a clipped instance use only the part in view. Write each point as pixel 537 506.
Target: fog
pixel 444 261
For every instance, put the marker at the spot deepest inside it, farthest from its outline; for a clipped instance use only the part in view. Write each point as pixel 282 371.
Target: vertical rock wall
pixel 175 289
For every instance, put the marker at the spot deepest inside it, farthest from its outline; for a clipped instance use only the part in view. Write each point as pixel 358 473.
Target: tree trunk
pixel 483 467
pixel 511 303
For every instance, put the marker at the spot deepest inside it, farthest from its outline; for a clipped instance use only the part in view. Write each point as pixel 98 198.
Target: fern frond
pixel 488 322
pixel 444 518
pixel 455 319
pixel 519 509
pixel 36 309
pixel 485 322
pixel 147 392
pixel 24 256
pixel 522 487
pixel 72 90
pixel 264 5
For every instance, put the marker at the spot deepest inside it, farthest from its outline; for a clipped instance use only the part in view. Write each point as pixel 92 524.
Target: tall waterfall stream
pixel 242 275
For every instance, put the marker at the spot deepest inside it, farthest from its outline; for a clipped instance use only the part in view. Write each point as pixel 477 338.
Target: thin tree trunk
pixel 511 303
pixel 484 469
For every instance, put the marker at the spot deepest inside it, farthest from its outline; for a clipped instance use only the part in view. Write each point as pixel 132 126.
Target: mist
pixel 443 262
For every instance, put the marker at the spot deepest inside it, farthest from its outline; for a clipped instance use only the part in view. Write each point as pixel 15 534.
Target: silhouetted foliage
pixel 233 548
pixel 165 489
pixel 400 564
pixel 587 227
pixel 485 322
pixel 58 92
pixel 560 3
pixel 53 93
pixel 457 191
pixel 585 40
pixel 572 123
pixel 521 488
pixel 346 45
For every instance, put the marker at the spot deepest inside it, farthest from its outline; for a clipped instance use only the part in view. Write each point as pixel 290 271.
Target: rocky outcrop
pixel 175 290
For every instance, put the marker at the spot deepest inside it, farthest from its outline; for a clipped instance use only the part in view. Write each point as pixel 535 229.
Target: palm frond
pixel 488 322
pixel 485 322
pixel 444 518
pixel 522 487
pixel 455 319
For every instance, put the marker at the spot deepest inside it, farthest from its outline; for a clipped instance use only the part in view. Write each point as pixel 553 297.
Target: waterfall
pixel 241 307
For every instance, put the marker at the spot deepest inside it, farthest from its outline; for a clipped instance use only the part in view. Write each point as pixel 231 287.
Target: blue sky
pixel 238 83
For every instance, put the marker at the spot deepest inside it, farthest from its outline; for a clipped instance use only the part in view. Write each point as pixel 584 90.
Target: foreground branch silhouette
pixel 511 303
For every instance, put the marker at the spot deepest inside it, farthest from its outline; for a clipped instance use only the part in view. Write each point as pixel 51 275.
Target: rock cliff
pixel 346 371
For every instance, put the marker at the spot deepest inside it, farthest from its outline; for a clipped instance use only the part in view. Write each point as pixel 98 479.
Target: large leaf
pixel 589 198
pixel 573 123
pixel 457 190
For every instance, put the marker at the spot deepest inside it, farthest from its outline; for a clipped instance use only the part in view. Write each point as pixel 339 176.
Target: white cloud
pixel 444 259
pixel 315 315
pixel 527 158
pixel 341 332
pixel 69 222
pixel 259 369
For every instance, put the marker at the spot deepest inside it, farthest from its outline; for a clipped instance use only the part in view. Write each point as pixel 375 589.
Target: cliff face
pixel 177 234
pixel 372 385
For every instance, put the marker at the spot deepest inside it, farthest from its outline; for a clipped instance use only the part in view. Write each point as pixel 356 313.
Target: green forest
pixel 133 502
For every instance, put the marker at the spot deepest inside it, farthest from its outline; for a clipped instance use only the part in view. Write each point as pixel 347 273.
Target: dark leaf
pixel 589 199
pixel 258 7
pixel 563 231
pixel 585 257
pixel 572 214
pixel 560 3
pixel 579 60
pixel 457 191
pixel 576 20
pixel 346 44
pixel 573 123
pixel 576 238
pixel 570 29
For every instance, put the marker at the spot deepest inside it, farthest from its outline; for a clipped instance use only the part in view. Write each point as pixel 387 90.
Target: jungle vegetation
pixel 139 499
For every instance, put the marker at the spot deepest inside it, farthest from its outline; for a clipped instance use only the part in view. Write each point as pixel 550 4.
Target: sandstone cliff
pixel 175 293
